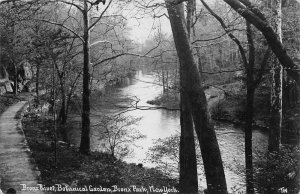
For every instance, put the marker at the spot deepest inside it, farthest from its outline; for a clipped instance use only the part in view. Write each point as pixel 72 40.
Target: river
pixel 160 123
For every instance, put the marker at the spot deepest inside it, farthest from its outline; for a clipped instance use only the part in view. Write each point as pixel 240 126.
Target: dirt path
pixel 16 164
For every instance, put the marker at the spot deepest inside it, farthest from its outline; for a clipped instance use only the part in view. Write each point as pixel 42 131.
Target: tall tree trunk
pixel 200 65
pixel 191 85
pixel 63 114
pixel 248 140
pixel 37 83
pixel 191 5
pixel 69 96
pixel 15 89
pixel 167 81
pixel 85 133
pixel 163 79
pixel 249 112
pixel 276 89
pixel 188 178
pixel 16 79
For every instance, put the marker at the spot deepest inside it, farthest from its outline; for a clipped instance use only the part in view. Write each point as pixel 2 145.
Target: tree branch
pixel 241 49
pixel 101 15
pixel 72 4
pixel 262 25
pixel 58 24
pixel 119 55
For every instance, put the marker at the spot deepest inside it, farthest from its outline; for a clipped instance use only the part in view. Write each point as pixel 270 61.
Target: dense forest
pixel 208 104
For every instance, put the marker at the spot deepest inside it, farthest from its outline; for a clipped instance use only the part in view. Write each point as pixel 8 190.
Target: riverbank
pixel 233 107
pixel 171 99
pixel 226 103
pixel 77 170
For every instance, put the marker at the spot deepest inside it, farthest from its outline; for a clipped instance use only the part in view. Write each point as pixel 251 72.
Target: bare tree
pixel 119 134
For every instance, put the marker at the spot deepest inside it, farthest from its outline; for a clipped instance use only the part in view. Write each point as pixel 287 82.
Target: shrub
pixel 275 171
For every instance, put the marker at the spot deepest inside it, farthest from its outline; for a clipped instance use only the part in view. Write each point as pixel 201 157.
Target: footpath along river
pixel 160 123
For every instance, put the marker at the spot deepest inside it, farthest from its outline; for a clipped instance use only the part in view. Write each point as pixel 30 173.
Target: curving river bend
pixel 159 123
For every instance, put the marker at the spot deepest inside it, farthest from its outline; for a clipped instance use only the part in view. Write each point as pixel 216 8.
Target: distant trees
pixel 164 61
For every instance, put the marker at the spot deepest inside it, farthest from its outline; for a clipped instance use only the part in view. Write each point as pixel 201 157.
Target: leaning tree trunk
pixel 191 26
pixel 85 133
pixel 191 85
pixel 188 177
pixel 276 89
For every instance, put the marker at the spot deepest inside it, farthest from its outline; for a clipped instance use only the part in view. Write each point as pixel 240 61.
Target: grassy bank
pixel 231 107
pixel 169 100
pixel 73 168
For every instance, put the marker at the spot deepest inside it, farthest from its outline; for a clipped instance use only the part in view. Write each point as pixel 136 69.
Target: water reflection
pixel 155 123
pixel 159 123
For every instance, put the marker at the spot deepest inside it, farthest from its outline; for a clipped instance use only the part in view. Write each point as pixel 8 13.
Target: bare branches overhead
pixel 256 17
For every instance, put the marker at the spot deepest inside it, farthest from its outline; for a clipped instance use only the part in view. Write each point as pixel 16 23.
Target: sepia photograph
pixel 150 96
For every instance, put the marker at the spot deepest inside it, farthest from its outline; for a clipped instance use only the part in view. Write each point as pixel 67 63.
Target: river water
pixel 159 123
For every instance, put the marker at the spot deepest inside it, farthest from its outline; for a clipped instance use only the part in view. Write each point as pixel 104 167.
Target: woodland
pixel 224 63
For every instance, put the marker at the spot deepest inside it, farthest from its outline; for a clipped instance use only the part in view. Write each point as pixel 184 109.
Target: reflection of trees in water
pixel 170 114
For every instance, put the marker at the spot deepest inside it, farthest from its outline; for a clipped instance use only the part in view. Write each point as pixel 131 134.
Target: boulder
pixel 8 87
pixel 2 90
